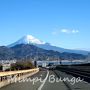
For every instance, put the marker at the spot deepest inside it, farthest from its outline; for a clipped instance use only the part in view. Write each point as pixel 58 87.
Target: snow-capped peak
pixel 30 39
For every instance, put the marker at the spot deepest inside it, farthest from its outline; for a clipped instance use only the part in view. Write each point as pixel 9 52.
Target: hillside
pixel 27 51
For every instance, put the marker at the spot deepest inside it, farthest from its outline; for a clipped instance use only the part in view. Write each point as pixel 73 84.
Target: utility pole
pixel 36 60
pixel 60 61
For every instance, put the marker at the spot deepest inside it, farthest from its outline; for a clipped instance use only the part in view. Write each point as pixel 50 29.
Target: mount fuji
pixel 29 39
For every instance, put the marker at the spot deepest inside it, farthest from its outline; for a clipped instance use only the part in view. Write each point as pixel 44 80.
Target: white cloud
pixel 67 31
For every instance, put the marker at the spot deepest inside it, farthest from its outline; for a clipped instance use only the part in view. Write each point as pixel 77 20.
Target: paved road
pixel 46 82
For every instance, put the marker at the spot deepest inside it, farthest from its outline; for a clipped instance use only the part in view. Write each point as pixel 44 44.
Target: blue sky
pixel 64 23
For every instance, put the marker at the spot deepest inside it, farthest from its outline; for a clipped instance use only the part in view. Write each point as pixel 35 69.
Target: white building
pixel 44 64
pixel 6 66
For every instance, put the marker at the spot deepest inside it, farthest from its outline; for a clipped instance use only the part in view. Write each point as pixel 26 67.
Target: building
pixel 6 66
pixel 44 64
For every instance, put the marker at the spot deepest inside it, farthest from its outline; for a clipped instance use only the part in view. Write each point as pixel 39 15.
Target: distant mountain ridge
pixel 59 49
pixel 27 51
pixel 29 39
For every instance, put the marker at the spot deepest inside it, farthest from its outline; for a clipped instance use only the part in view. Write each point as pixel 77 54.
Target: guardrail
pixel 5 76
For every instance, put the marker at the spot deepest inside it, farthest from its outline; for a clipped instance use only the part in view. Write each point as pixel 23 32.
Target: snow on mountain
pixel 28 39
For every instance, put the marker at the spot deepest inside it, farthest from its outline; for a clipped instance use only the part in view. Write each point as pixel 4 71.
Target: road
pixel 48 80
